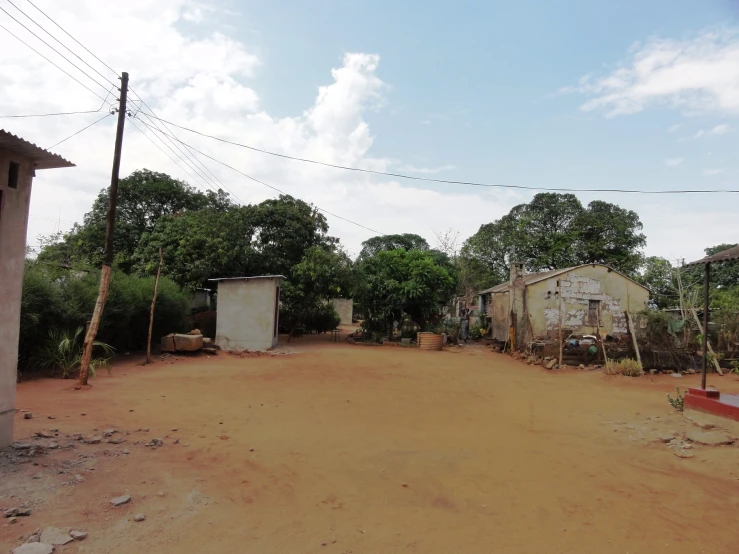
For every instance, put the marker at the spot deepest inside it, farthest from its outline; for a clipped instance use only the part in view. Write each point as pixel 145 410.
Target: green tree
pixel 609 234
pixel 396 282
pixel 555 231
pixel 658 275
pixel 408 241
pixel 724 275
pixel 325 272
pixel 143 198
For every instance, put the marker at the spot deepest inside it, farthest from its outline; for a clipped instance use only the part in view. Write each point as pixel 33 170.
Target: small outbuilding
pixel 248 312
pixel 584 299
pixel 344 307
pixel 19 161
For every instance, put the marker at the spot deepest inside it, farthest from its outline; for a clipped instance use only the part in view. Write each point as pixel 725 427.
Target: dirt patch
pixel 341 449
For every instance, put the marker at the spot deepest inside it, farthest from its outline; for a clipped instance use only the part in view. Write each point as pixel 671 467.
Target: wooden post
pixel 704 361
pixel 559 304
pixel 153 303
pixel 633 338
pixel 706 346
pixel 97 314
pixel 602 341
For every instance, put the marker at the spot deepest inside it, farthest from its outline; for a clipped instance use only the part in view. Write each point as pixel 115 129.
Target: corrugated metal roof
pixel 247 278
pixel 531 278
pixel 42 159
pixel 725 256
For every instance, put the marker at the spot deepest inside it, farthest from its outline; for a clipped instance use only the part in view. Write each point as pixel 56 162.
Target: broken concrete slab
pixel 78 535
pixel 34 548
pixel 56 536
pixel 708 438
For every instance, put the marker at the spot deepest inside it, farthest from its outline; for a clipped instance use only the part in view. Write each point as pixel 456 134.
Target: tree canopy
pixel 396 282
pixel 554 231
pixel 408 241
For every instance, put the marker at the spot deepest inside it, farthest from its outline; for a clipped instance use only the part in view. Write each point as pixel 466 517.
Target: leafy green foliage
pixel 408 241
pixel 143 198
pixel 677 402
pixel 397 282
pixel 555 231
pixel 724 276
pixel 658 275
pixel 59 300
pixel 63 351
pixel 324 272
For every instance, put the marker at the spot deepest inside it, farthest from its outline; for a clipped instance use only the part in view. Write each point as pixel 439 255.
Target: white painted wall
pixel 246 318
pixel 13 222
pixel 344 307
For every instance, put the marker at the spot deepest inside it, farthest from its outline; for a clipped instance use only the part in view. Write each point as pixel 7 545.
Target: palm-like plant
pixel 63 351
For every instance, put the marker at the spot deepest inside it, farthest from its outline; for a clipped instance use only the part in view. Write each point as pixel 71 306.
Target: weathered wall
pixel 13 222
pixel 246 315
pixel 501 315
pixel 344 307
pixel 616 294
pixel 200 299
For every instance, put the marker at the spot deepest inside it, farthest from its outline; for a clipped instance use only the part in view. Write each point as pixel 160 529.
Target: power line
pixel 70 36
pixel 78 132
pixel 60 42
pixel 270 186
pixel 48 114
pixel 52 48
pixel 130 120
pixel 444 181
pixel 51 62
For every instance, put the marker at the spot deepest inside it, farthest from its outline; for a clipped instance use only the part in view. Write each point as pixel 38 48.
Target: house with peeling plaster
pixel 19 161
pixel 580 300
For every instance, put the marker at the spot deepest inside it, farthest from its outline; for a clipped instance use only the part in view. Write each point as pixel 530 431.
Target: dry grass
pixel 627 367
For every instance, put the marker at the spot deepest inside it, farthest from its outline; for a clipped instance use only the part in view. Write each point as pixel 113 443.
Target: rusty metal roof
pixel 42 159
pixel 724 256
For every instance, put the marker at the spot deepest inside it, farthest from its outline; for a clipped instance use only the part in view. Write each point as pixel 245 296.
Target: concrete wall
pixel 615 293
pixel 501 308
pixel 201 299
pixel 13 223
pixel 247 314
pixel 344 307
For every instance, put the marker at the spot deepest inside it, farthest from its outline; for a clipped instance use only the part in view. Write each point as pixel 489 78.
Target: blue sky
pixel 483 91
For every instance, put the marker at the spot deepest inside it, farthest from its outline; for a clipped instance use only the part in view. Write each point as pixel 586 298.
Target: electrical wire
pixel 48 114
pixel 444 181
pixel 130 119
pixel 60 42
pixel 270 186
pixel 51 62
pixel 70 36
pixel 78 132
pixel 52 48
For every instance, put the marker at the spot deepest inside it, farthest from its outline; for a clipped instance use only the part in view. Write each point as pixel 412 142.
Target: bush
pixel 678 401
pixel 58 300
pixel 315 319
pixel 627 367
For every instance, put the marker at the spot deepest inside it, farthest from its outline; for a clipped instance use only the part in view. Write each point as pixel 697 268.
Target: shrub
pixel 678 401
pixel 63 351
pixel 627 367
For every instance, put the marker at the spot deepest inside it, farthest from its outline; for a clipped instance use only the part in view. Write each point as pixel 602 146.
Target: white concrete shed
pixel 19 160
pixel 248 312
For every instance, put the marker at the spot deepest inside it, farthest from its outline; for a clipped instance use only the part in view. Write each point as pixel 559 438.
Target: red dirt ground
pixel 350 449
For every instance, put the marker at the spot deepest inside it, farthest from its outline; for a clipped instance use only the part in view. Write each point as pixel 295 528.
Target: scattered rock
pixel 120 500
pixel 20 446
pixel 12 512
pixel 44 434
pixel 119 440
pixel 78 478
pixel 155 443
pixel 78 535
pixel 176 441
pixel 13 519
pixel 95 439
pixel 83 413
pixel 77 387
pixel 56 536
pixel 139 517
pixel 28 415
pixel 691 372
pixel 109 432
pixel 126 451
pixel 51 417
pixel 683 454
pixel 34 548
pixel 175 429
pixel 160 493
pixel 676 375
pixel 653 372
pixel 53 445
pixel 708 438
pixel 551 364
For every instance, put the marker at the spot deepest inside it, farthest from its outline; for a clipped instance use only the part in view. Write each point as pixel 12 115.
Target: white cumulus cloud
pixel 696 75
pixel 672 162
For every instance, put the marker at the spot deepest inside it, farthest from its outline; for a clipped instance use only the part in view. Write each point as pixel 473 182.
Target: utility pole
pixel 97 314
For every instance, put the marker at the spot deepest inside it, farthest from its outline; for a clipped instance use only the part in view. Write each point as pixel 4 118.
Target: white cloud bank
pixel 205 81
pixel 697 75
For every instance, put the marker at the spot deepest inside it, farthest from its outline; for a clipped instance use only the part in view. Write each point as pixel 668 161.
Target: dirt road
pixel 345 449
